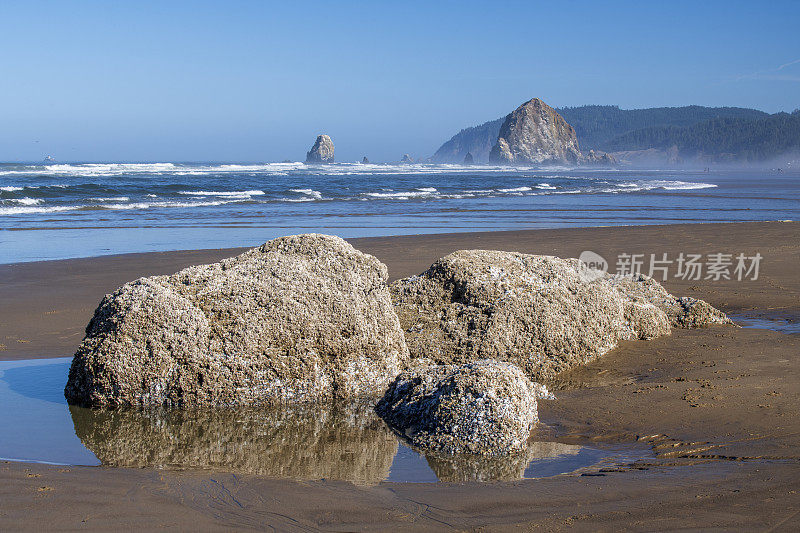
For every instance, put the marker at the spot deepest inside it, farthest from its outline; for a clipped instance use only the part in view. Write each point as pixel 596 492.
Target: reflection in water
pixel 508 468
pixel 343 442
pixel 309 442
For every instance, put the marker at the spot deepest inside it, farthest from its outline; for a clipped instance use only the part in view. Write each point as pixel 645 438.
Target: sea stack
pixel 322 151
pixel 365 161
pixel 406 159
pixel 598 159
pixel 535 133
pixel 468 159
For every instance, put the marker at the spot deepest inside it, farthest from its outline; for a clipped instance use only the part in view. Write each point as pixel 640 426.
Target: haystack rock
pixel 542 313
pixel 535 133
pixel 322 151
pixel 300 318
pixel 484 408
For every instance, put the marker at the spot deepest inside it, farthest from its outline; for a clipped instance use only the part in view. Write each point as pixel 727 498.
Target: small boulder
pixel 300 318
pixel 598 159
pixel 485 407
pixel 322 151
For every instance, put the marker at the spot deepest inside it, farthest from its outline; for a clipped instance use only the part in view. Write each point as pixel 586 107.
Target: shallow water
pixel 80 210
pixel 782 324
pixel 316 442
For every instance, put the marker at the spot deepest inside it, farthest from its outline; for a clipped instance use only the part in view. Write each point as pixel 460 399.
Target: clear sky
pixel 257 81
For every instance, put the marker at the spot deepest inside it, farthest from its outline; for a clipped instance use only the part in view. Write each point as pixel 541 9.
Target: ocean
pixel 57 211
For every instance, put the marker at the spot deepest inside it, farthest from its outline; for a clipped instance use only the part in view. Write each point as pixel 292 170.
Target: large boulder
pixel 300 318
pixel 485 408
pixel 535 133
pixel 322 151
pixel 544 314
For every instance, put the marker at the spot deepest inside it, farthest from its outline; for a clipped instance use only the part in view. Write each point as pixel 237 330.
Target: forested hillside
pixel 721 139
pixel 596 125
pixel 714 133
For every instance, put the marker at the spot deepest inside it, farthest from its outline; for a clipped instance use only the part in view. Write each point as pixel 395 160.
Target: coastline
pixel 716 406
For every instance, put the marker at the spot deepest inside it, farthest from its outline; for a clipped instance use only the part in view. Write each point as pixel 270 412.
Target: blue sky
pixel 257 81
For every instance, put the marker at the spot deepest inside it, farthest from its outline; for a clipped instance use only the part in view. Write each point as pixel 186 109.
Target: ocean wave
pixel 296 200
pixel 25 201
pixel 231 194
pixel 403 195
pixel 11 188
pixel 684 185
pixel 109 199
pixel 31 210
pixel 515 189
pixel 314 195
pixel 92 169
pixel 668 185
pixel 28 210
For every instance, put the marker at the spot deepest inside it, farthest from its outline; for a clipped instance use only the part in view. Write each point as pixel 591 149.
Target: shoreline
pixel 238 249
pixel 716 406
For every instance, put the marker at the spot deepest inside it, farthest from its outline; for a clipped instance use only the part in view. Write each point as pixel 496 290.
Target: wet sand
pixel 717 406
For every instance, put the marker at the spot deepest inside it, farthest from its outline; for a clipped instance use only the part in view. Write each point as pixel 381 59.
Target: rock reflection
pixel 456 468
pixel 344 442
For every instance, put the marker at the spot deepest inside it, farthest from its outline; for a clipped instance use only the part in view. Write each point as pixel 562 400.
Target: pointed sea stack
pixel 406 159
pixel 322 151
pixel 535 133
pixel 468 160
pixel 365 161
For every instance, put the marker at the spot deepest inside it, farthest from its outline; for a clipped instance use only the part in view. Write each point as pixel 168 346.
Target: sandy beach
pixel 715 408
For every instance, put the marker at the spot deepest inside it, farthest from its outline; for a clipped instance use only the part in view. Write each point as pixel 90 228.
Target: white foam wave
pixel 545 186
pixel 109 199
pixel 315 195
pixel 404 195
pixel 297 200
pixel 668 185
pixel 28 210
pixel 515 189
pixel 683 185
pixel 25 201
pixel 228 194
pixel 11 188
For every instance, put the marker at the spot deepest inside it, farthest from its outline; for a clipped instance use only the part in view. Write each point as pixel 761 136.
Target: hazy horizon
pixel 250 82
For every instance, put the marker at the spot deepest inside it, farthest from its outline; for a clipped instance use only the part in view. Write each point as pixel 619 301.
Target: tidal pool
pixel 342 442
pixel 780 323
